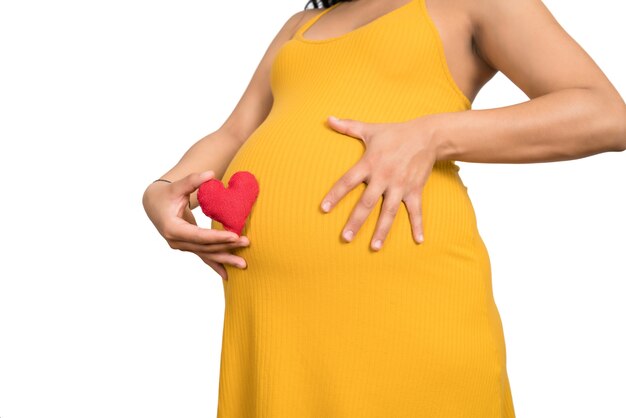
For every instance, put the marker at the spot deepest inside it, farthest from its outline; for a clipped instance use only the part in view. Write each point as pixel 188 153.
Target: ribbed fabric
pixel 319 328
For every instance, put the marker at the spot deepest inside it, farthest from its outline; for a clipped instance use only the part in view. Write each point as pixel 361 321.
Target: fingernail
pixel 241 265
pixel 420 239
pixel 334 118
pixel 377 244
pixel 326 206
pixel 348 235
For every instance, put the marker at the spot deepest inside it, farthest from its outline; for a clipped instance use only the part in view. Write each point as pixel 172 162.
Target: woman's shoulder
pixel 300 17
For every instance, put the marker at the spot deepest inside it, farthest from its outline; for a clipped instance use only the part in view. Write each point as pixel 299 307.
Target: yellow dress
pixel 316 327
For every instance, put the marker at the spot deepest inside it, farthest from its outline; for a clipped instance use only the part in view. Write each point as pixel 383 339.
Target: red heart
pixel 230 206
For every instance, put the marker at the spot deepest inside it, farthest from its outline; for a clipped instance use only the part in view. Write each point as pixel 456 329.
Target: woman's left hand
pixel 398 159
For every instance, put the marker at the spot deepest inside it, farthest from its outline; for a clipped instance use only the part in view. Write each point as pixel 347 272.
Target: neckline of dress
pixel 299 35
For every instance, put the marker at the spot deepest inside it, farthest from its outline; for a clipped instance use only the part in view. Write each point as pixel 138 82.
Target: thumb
pixel 350 127
pixel 191 182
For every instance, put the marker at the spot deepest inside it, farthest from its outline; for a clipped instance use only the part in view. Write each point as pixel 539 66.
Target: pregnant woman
pixel 380 303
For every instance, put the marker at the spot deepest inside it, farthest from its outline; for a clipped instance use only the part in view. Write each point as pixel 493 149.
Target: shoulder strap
pixel 314 19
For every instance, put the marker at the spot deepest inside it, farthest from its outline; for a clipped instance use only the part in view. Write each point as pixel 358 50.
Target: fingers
pixel 392 200
pixel 209 248
pixel 188 215
pixel 413 203
pixel 375 189
pixel 354 128
pixel 225 257
pixel 211 245
pixel 217 252
pixel 353 177
pixel 213 255
pixel 362 209
pixel 191 182
pixel 184 231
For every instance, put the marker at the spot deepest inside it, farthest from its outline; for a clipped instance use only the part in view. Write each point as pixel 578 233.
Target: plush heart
pixel 230 206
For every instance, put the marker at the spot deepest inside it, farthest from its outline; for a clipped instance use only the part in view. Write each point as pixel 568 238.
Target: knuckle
pixel 363 168
pixel 389 172
pixel 412 199
pixel 417 190
pixel 191 179
pixel 370 161
pixel 209 257
pixel 390 209
pixel 348 180
pixel 368 201
pixel 352 130
pixel 401 180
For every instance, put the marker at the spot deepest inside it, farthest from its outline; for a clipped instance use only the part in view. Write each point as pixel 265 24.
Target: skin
pixel 167 207
pixel 573 112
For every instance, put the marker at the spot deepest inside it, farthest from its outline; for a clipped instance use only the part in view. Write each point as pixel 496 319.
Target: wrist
pixel 153 187
pixel 442 128
pixel 158 183
pixel 165 183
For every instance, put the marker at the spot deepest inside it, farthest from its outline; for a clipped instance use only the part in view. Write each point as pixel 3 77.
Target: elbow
pixel 609 118
pixel 622 123
pixel 618 121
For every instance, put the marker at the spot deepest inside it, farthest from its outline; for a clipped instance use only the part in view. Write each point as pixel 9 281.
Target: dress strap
pixel 312 20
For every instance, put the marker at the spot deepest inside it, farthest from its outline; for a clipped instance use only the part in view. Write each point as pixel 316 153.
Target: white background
pixel 100 318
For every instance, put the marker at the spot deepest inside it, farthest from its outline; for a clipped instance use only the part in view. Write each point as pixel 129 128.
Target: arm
pixel 166 204
pixel 213 152
pixel 573 112
pixel 216 150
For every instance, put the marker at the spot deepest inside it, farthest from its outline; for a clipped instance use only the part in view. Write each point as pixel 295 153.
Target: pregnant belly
pixel 309 304
pixel 289 233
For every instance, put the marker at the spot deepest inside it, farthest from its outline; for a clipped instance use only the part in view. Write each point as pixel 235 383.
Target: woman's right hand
pixel 167 206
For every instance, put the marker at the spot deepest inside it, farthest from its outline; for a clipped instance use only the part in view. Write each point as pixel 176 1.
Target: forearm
pixel 213 152
pixel 563 125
